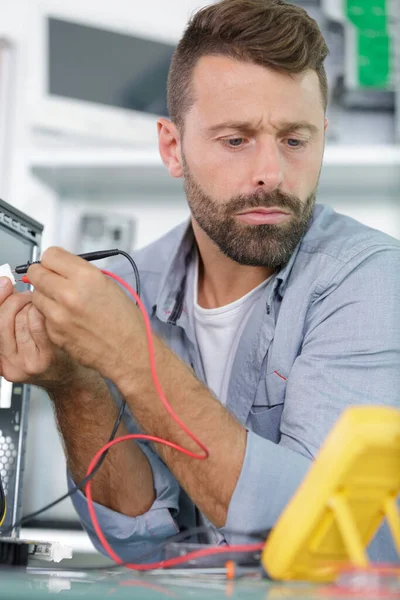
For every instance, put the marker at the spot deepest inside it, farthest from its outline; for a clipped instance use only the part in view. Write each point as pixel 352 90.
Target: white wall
pixel 19 22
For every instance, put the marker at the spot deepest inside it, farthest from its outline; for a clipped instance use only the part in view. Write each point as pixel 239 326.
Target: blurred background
pixel 81 83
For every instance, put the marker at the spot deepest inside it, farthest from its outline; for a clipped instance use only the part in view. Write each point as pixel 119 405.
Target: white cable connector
pixel 51 551
pixel 5 271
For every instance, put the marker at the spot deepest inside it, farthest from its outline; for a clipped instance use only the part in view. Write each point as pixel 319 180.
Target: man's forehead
pixel 226 86
pixel 226 71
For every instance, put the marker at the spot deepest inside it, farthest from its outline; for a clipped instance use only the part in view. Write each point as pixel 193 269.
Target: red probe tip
pixel 25 279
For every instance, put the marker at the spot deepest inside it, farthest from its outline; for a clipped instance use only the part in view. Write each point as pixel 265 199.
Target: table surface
pixel 180 584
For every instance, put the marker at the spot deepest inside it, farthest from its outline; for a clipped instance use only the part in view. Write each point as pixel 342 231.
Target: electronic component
pixel 17 552
pixel 352 486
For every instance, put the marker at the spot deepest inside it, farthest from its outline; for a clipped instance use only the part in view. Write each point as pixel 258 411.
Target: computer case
pixel 20 238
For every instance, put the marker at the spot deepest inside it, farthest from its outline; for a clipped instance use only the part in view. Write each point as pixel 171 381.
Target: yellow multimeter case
pixel 352 486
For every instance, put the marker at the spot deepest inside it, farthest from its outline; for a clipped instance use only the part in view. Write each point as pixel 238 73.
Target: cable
pixel 157 384
pixel 89 256
pixel 106 546
pixel 3 509
pixel 135 270
pixel 164 563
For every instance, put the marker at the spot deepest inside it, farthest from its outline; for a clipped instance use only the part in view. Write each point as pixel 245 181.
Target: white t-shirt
pixel 218 331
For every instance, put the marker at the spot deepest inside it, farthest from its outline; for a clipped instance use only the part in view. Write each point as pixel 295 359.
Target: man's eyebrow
pixel 296 125
pixel 248 126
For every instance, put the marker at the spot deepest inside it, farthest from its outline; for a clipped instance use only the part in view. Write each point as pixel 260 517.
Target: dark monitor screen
pixel 106 67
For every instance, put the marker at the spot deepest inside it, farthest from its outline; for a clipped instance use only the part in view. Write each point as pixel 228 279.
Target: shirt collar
pixel 173 281
pixel 171 292
pixel 282 277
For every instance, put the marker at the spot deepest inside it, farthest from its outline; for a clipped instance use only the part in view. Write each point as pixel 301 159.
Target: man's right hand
pixel 26 353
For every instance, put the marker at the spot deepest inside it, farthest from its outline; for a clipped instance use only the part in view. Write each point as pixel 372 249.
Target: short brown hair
pixel 270 33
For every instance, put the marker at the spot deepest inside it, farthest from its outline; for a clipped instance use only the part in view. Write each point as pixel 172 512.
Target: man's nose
pixel 267 169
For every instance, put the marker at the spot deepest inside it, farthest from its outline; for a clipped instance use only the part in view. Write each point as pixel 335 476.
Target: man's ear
pixel 326 123
pixel 169 145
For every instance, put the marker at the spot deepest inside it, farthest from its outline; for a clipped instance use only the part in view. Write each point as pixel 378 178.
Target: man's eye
pixel 235 142
pixel 294 143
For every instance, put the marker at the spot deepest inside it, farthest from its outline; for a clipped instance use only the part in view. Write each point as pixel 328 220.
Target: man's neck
pixel 221 279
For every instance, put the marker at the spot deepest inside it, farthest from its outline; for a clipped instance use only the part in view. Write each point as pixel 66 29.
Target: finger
pixel 63 262
pixel 6 288
pixel 44 304
pixel 66 287
pixel 56 317
pixel 8 312
pixel 46 281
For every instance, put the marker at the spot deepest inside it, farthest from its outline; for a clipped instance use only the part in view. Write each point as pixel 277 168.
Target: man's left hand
pixel 86 313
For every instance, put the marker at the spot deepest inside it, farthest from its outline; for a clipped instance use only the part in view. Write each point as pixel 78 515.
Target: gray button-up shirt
pixel 324 335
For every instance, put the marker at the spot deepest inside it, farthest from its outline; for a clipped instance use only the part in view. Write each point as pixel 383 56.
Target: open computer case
pixel 19 243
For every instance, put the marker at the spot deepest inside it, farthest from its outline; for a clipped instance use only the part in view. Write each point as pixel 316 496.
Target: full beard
pixel 266 245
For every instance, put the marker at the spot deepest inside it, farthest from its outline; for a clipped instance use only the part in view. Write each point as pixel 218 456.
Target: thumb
pixel 6 288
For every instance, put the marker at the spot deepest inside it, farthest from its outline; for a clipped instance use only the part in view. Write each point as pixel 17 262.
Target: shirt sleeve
pixel 133 537
pixel 350 356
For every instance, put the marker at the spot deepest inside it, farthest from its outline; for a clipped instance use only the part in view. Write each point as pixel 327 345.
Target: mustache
pixel 264 200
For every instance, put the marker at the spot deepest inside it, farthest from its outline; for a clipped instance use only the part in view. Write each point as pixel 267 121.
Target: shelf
pixel 102 171
pixel 363 155
pixel 362 168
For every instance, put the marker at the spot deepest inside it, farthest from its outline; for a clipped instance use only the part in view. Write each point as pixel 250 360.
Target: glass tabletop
pixel 193 584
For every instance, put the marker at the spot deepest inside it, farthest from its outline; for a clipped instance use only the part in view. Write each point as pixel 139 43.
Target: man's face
pixel 253 141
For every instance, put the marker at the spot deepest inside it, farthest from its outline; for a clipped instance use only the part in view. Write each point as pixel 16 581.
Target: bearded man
pixel 270 314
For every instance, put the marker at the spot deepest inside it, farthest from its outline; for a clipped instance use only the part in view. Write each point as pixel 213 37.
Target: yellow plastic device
pixel 352 486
